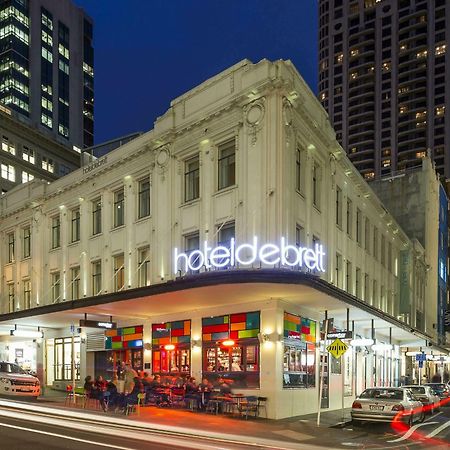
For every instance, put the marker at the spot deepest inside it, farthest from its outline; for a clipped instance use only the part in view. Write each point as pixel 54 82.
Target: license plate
pixel 376 407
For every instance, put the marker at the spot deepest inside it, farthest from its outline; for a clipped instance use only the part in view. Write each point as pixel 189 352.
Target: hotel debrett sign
pixel 248 254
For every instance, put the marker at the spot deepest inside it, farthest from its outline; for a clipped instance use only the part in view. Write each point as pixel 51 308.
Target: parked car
pixel 383 404
pixel 429 399
pixel 15 381
pixel 441 389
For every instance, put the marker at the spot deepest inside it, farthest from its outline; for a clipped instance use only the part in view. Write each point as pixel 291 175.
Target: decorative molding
pixel 253 116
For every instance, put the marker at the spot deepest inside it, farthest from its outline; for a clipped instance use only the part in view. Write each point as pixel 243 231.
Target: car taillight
pixel 398 408
pixel 356 405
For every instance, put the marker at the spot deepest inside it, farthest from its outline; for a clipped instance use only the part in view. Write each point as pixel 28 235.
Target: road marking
pixel 411 431
pixel 62 436
pixel 438 429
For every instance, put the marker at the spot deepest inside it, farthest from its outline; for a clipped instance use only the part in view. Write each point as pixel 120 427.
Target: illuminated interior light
pixel 169 347
pixel 228 343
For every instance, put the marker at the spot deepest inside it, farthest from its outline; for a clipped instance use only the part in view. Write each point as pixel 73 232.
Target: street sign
pixel 420 364
pixel 337 348
pixel 340 335
pixel 421 357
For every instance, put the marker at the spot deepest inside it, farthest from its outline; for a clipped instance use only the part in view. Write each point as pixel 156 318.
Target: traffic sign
pixel 420 364
pixel 337 348
pixel 421 357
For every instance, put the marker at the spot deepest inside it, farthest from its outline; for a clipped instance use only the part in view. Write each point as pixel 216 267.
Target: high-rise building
pixel 46 67
pixel 382 79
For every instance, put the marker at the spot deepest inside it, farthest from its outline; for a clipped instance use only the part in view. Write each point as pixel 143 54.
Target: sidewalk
pixel 294 430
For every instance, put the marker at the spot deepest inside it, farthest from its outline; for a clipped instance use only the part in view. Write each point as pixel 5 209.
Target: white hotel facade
pixel 249 158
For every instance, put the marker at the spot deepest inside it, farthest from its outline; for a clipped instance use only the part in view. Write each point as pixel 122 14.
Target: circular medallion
pixel 163 157
pixel 255 114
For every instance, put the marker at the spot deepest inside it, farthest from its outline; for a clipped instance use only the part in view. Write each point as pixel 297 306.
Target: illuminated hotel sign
pixel 248 254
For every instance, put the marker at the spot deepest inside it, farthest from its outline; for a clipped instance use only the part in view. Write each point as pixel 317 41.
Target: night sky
pixel 148 52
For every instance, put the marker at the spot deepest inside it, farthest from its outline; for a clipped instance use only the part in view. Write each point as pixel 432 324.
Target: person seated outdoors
pixel 132 397
pixel 192 392
pixel 91 390
pixel 115 399
pixel 156 389
pixel 146 379
pixel 205 388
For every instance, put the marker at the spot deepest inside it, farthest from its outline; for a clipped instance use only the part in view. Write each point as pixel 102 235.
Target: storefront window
pixel 62 362
pixel 299 357
pixel 171 343
pixel 231 349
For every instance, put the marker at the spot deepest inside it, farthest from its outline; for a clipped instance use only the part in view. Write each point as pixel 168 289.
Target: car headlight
pixel 5 380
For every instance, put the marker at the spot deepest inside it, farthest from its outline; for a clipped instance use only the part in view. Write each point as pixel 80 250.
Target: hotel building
pixel 218 243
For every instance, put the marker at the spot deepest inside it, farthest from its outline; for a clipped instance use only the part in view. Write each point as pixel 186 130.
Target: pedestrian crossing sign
pixel 337 348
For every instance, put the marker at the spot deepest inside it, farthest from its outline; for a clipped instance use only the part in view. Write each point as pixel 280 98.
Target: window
pixel 338 270
pixel 374 293
pixel 27 294
pixel 48 164
pixel 389 257
pixel 358 282
pixel 383 250
pixel 191 179
pixel 316 185
pixel 191 243
pixel 348 277
pixel 55 279
pixel 11 297
pixel 63 358
pixel 96 270
pixel 299 170
pixel 367 235
pixel 358 225
pixel 375 243
pixel 299 236
pixel 75 225
pixel 338 206
pixel 8 172
pixel 225 233
pixel 366 288
pixel 75 282
pixel 28 155
pixel 26 242
pixel 11 244
pixel 8 146
pixel 349 217
pixel 227 164
pixel 119 273
pixel 119 210
pixel 144 266
pixel 97 216
pixel 26 177
pixel 144 198
pixel 56 232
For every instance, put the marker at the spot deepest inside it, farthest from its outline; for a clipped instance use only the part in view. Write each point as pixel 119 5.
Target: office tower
pixel 46 68
pixel 382 79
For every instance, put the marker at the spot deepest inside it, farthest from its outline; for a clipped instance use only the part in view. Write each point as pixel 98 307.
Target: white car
pixel 15 381
pixel 430 400
pixel 383 404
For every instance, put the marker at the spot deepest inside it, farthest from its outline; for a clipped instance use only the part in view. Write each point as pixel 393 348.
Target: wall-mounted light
pixel 381 347
pixel 361 342
pixel 263 337
pixel 27 334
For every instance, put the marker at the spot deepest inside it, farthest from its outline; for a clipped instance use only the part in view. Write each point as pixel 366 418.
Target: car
pixel 441 389
pixel 16 382
pixel 430 400
pixel 383 404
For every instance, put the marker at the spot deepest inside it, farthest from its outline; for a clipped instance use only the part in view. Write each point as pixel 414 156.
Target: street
pixel 26 425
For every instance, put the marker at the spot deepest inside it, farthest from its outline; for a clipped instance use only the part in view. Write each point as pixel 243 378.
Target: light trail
pixel 62 436
pixel 412 430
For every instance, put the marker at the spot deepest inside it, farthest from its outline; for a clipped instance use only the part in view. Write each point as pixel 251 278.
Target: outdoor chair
pixel 262 405
pixel 135 407
pixel 249 406
pixel 213 406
